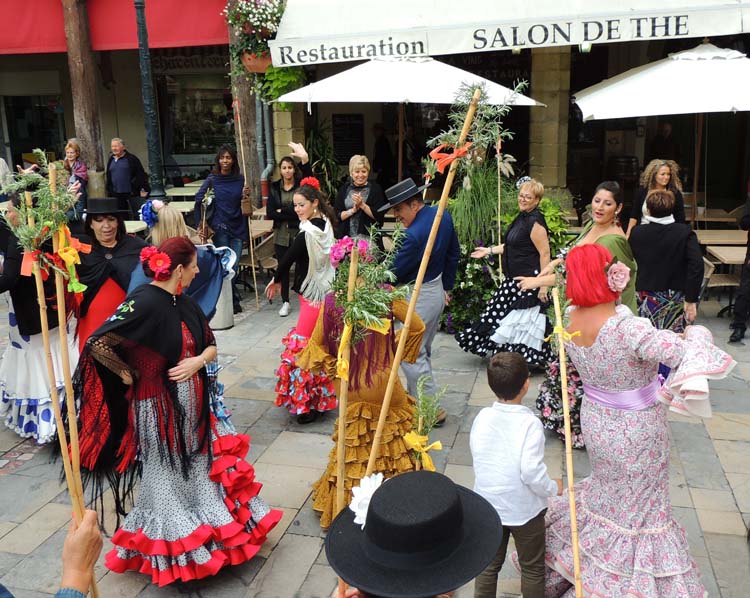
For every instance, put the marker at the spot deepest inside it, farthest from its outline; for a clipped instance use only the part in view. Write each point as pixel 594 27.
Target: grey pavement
pixel 710 477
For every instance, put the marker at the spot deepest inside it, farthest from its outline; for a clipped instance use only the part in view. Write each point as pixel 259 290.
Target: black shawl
pixel 146 329
pixel 96 267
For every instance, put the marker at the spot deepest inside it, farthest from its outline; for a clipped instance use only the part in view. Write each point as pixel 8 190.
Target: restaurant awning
pixel 340 30
pixel 37 27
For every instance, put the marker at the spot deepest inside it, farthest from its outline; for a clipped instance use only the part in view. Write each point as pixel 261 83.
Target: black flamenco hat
pixel 423 536
pixel 400 192
pixel 104 205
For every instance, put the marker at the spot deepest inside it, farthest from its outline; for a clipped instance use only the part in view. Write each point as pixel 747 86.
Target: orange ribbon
pixel 443 159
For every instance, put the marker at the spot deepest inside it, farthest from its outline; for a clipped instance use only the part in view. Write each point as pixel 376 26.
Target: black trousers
pixel 280 250
pixel 742 301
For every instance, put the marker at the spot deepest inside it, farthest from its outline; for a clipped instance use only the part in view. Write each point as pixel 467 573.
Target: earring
pixel 178 290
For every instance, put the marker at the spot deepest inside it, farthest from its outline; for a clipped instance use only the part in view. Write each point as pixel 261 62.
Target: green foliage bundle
pixel 554 215
pixel 427 408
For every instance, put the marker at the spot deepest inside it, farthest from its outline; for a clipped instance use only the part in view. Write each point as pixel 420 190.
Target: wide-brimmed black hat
pixel 104 205
pixel 423 536
pixel 400 192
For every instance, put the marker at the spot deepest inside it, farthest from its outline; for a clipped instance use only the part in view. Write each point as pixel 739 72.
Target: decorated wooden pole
pixel 418 286
pixel 499 205
pixel 72 475
pixel 345 351
pixel 235 107
pixel 559 331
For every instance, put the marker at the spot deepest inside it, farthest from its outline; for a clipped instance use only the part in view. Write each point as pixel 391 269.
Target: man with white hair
pixel 126 179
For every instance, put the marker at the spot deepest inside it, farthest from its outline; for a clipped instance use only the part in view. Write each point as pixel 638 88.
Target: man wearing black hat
pixel 405 198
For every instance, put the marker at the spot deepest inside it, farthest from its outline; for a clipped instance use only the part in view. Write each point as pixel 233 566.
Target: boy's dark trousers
pixel 529 540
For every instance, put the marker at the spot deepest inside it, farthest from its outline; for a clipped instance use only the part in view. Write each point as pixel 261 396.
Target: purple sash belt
pixel 628 400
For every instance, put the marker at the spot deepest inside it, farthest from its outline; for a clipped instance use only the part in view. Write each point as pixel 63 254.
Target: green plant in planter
pixel 324 164
pixel 277 82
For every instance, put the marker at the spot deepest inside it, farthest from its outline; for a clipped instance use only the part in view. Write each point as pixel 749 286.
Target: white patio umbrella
pixel 703 79
pixel 411 80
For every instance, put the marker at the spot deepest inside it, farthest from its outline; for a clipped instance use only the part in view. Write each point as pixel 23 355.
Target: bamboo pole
pixel 400 142
pixel 343 399
pixel 418 464
pixel 499 209
pixel 418 286
pixel 568 442
pixel 72 476
pixel 250 220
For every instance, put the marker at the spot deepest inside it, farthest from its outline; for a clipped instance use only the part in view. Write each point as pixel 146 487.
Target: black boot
pixel 307 418
pixel 737 334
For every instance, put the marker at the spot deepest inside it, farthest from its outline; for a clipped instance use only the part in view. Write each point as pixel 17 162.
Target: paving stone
pixel 286 569
pixel 729 426
pixel 8 560
pixel 730 556
pixel 733 455
pixel 320 583
pixel 39 571
pixel 699 459
pixel 726 401
pixel 460 453
pixel 707 576
pixel 36 492
pixel 40 465
pixel 456 382
pixel 284 485
pixel 122 585
pixel 679 494
pixel 23 593
pixel 245 412
pixel 5 527
pixel 298 450
pixel 467 419
pixel 740 484
pixel 8 439
pixel 462 475
pixel 277 532
pixel 36 529
pixel 714 500
pixel 240 391
pixel 689 520
pixel 307 522
pixel 454 404
pixel 721 522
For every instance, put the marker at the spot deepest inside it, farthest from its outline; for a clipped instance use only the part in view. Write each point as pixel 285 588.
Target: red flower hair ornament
pixel 310 180
pixel 158 262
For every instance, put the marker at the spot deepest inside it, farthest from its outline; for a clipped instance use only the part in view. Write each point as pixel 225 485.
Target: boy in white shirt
pixel 507 446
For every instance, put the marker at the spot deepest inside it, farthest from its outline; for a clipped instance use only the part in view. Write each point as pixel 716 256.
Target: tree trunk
pixel 83 83
pixel 246 146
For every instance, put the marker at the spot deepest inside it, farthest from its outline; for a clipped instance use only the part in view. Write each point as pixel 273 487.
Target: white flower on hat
pixel 361 496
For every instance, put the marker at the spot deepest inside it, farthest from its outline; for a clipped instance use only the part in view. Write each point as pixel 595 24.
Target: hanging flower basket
pixel 255 63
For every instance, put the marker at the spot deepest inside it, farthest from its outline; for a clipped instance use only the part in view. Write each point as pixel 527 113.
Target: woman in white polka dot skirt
pixel 26 404
pixel 145 413
pixel 516 320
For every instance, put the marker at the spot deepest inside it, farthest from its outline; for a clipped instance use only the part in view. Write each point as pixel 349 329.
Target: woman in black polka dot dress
pixel 145 414
pixel 515 320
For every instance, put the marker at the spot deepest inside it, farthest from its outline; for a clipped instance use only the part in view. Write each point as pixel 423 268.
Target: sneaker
pixel 284 311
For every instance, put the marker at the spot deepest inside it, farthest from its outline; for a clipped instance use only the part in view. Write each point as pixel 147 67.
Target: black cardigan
pixel 636 213
pixel 274 201
pixel 376 199
pixel 23 288
pixel 297 255
pixel 668 257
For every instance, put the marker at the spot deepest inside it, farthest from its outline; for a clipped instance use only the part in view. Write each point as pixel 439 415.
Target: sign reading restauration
pixel 479 37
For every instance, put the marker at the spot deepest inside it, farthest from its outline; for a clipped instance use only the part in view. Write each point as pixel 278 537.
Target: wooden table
pixel 260 228
pixel 722 237
pixel 194 183
pixel 186 207
pixel 710 215
pixel 135 226
pixel 181 191
pixel 732 256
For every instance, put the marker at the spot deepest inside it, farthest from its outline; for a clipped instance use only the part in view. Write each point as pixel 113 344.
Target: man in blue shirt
pixel 410 210
pixel 126 180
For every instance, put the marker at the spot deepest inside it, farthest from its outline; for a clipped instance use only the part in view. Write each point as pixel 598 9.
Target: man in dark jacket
pixel 742 303
pixel 126 179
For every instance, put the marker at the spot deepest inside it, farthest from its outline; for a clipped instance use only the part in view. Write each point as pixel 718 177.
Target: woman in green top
pixel 605 230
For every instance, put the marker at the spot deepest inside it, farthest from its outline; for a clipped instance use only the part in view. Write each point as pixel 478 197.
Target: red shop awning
pixel 38 27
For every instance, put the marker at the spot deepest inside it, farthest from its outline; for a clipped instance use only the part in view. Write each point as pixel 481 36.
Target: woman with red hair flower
pixel 301 393
pixel 146 413
pixel 631 545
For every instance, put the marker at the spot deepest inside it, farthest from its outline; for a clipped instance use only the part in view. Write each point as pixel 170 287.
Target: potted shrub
pixel 255 22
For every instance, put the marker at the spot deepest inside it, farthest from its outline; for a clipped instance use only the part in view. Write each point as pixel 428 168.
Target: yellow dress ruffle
pixel 362 413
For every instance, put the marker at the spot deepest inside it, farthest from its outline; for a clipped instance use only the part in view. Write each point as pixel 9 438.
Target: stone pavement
pixel 710 478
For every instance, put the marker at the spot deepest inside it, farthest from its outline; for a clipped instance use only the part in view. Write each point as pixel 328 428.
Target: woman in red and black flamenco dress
pixel 145 413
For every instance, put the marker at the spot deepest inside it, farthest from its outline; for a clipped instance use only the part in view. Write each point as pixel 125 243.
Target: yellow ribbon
pixel 342 365
pixel 566 336
pixel 419 443
pixel 69 255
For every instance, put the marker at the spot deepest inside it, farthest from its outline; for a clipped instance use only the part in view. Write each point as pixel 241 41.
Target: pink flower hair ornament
pixel 618 276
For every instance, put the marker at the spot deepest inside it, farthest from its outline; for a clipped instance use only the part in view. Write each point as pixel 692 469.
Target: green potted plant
pixel 255 22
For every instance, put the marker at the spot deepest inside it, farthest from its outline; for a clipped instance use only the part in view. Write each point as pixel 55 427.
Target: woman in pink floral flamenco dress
pixel 146 414
pixel 630 544
pixel 300 391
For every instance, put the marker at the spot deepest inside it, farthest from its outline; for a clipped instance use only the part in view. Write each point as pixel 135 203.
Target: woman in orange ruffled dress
pixel 146 413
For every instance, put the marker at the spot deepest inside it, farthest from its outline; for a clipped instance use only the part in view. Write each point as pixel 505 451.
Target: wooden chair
pixel 720 280
pixel 736 213
pixel 265 260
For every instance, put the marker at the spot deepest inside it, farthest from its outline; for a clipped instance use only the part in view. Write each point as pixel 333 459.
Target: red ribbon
pixel 29 258
pixel 443 159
